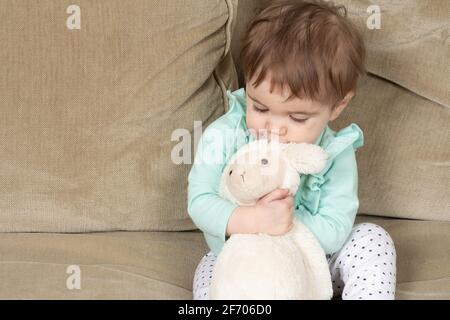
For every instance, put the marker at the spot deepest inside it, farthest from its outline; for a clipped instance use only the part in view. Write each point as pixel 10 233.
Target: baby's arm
pixel 210 212
pixel 338 203
pixel 242 220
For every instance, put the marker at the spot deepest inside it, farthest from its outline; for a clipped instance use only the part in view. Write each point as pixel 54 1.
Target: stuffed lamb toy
pixel 262 266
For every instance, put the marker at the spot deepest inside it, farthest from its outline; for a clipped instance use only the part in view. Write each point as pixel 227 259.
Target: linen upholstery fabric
pixel 112 265
pixel 161 265
pixel 412 46
pixel 403 167
pixel 247 9
pixel 87 115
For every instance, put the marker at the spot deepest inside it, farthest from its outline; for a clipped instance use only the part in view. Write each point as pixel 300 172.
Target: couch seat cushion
pixel 113 265
pixel 161 265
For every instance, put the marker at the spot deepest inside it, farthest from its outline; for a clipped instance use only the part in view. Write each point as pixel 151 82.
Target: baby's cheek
pixel 250 121
pixel 297 135
pixel 307 133
pixel 254 125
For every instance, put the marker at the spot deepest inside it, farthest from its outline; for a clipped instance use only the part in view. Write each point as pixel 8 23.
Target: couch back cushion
pixel 411 47
pixel 403 106
pixel 403 166
pixel 88 113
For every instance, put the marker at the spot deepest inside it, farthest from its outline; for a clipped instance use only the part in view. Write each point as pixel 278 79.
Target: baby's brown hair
pixel 310 45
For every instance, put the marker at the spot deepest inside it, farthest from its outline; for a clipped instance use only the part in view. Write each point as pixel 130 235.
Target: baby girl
pixel 301 61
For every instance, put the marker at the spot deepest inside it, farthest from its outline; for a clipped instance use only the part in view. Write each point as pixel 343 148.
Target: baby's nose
pixel 282 131
pixel 276 131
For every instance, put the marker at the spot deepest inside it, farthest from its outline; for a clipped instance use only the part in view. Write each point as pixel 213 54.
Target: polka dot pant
pixel 203 275
pixel 363 269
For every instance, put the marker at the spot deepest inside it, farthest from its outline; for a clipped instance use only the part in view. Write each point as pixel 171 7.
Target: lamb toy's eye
pixel 264 161
pixel 230 172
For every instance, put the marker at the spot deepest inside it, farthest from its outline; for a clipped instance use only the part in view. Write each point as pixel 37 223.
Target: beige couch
pixel 88 114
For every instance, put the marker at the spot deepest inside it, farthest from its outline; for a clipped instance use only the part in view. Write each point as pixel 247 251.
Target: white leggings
pixel 364 268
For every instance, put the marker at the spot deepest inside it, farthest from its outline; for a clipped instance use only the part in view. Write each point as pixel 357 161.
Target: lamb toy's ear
pixel 306 158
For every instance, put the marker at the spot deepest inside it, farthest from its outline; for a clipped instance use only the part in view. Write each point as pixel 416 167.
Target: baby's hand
pixel 275 212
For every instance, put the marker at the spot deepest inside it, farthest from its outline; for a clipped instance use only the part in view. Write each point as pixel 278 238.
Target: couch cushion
pixel 423 258
pixel 403 166
pixel 161 265
pixel 88 114
pixel 247 9
pixel 412 45
pixel 113 265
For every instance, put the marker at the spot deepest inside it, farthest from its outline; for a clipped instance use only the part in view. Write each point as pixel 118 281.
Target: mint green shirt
pixel 326 202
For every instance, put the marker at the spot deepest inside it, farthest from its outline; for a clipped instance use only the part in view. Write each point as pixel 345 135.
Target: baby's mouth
pixel 270 137
pixel 277 139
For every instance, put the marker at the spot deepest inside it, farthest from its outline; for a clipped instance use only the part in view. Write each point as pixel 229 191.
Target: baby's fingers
pixel 277 194
pixel 289 201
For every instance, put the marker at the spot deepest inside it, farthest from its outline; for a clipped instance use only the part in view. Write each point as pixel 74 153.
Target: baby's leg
pixel 202 277
pixel 365 267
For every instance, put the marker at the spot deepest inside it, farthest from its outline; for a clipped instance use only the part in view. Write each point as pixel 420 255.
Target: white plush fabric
pixel 261 266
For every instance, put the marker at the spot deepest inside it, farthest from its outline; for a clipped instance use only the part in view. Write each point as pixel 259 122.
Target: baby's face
pixel 295 121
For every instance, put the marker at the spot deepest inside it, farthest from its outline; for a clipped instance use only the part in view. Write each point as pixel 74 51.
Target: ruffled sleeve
pixel 351 135
pixel 236 102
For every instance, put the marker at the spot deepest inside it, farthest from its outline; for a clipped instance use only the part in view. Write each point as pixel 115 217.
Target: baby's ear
pixel 305 158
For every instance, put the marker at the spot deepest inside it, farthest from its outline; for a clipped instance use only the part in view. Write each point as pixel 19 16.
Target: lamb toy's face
pixel 255 174
pixel 262 166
